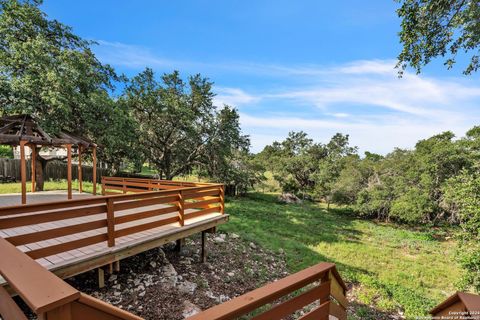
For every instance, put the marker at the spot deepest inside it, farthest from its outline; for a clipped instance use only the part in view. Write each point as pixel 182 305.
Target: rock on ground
pixel 289 198
pixel 167 285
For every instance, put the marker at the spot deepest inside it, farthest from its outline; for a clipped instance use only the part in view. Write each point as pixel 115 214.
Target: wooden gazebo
pixel 23 130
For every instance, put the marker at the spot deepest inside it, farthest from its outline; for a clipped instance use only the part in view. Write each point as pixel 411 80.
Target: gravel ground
pixel 165 284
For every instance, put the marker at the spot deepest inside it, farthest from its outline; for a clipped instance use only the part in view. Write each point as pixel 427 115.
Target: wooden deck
pixel 73 236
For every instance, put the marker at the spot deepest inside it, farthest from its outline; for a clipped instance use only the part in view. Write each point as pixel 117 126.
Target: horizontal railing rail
pixel 323 290
pixel 108 217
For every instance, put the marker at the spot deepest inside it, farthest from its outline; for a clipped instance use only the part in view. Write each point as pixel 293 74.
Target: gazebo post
pixel 69 171
pixel 23 171
pixel 80 187
pixel 33 159
pixel 94 156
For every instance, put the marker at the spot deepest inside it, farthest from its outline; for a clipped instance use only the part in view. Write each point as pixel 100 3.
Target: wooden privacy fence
pixel 55 170
pixel 110 217
pixel 53 299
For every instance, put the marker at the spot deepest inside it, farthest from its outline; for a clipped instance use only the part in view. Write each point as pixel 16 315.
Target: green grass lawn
pixel 48 186
pixel 392 267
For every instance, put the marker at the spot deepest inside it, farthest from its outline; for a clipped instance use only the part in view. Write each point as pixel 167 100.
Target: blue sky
pixel 317 66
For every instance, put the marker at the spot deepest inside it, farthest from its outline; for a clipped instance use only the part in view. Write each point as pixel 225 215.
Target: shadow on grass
pixel 293 228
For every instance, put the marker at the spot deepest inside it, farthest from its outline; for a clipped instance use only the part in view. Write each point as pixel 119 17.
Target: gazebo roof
pixel 14 129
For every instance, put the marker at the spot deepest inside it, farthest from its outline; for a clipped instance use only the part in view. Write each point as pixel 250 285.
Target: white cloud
pixel 367 67
pixel 338 114
pixel 125 55
pixel 365 98
pixel 233 97
pixel 380 137
pixel 384 111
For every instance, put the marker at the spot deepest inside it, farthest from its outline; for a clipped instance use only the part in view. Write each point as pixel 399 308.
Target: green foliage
pixel 304 167
pixel 293 162
pixel 439 28
pixel 435 183
pixel 463 194
pixel 226 157
pixel 411 206
pixel 47 71
pixel 180 130
pixel 6 152
pixel 52 74
pixel 330 167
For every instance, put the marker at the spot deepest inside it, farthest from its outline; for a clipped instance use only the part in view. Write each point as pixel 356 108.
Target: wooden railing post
pixel 103 186
pixel 124 186
pixel 326 279
pixel 338 292
pixel 110 223
pixel 181 208
pixel 222 199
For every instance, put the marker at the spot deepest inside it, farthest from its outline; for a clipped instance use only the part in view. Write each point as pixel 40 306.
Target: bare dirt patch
pixel 165 284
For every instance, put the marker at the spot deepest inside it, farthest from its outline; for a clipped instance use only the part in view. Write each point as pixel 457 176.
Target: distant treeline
pixel 437 182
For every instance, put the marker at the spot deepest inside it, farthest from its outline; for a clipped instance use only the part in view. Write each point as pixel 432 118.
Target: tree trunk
pixel 40 166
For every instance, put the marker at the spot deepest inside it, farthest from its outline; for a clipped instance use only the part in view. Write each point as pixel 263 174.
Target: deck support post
pixel 101 277
pixel 179 244
pixel 204 248
pixel 23 171
pixel 94 164
pixel 69 171
pixel 116 266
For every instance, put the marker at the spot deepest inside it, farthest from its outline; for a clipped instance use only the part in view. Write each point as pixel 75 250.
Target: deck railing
pixel 115 185
pixel 323 290
pixel 53 299
pixel 205 199
pixel 48 296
